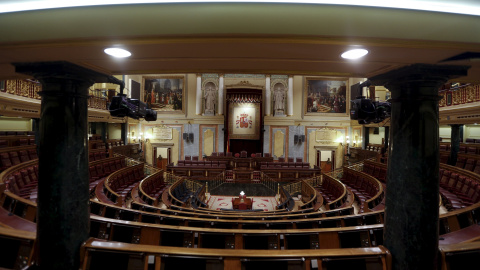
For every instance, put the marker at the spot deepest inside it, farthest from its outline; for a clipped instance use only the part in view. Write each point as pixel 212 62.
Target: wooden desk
pixel 245 205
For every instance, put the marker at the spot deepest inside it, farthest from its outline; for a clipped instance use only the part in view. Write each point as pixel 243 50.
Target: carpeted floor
pixel 225 202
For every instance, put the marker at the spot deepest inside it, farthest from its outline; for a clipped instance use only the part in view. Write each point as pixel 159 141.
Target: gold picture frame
pixel 165 93
pixel 326 96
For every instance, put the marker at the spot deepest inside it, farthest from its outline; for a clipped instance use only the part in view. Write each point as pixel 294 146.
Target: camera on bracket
pixel 122 106
pixel 367 111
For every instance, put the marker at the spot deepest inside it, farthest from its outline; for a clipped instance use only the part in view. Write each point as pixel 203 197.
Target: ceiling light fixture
pixel 117 52
pixel 354 54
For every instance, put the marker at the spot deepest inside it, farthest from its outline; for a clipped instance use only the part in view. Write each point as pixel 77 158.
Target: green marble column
pixel 411 208
pixel 63 196
pixel 455 140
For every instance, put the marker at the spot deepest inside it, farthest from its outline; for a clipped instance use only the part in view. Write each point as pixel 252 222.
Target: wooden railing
pixel 30 89
pixel 96 253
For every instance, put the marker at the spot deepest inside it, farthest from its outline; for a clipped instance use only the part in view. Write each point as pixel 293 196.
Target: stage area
pixel 258 203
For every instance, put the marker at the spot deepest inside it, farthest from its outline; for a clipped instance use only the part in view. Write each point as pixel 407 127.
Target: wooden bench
pixel 100 254
pixel 16 248
pixel 367 189
pixel 149 231
pixel 459 256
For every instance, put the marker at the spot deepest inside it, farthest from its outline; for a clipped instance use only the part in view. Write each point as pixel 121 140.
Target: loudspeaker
pixel 190 137
pixel 295 139
pixel 185 136
pixel 302 138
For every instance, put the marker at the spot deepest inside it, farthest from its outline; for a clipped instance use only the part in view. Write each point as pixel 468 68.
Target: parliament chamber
pixel 235 136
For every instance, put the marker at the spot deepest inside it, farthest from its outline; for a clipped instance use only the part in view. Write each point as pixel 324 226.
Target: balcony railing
pixel 31 88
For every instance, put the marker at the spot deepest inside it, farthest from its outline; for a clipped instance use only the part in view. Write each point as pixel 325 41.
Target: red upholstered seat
pixel 460 162
pixel 470 164
pixel 23 142
pixel 3 143
pixel 32 153
pixel 14 158
pixel 471 150
pixel 23 156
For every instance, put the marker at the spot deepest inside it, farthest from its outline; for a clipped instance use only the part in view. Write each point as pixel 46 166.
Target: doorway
pixel 161 155
pixel 325 159
pixel 237 145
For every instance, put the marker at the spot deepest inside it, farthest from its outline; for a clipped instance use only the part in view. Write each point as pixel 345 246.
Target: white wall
pixel 472 131
pixel 15 124
pixel 114 131
pixel 445 132
pixel 376 138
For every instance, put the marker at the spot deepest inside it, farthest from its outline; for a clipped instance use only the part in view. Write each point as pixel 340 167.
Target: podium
pixel 242 203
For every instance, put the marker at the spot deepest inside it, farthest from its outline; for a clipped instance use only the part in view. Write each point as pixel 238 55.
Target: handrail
pixel 215 182
pixel 341 199
pixel 233 258
pixel 146 179
pixel 378 197
pixel 18 148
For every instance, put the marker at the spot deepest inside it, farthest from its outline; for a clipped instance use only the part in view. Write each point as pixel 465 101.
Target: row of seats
pixel 181 192
pixel 99 155
pixel 330 189
pixel 360 186
pixel 202 163
pixel 463 149
pixel 377 170
pixel 19 142
pixel 459 190
pixel 471 140
pixel 99 171
pixel 16 133
pixel 122 183
pixel 374 148
pixel 469 164
pixel 15 157
pixel 95 137
pixel 284 165
pixel 153 186
pixel 24 182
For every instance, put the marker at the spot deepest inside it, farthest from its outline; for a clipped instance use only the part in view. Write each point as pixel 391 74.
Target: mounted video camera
pixel 122 106
pixel 366 111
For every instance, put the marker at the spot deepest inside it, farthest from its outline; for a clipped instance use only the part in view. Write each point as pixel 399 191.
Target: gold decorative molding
pixel 244 84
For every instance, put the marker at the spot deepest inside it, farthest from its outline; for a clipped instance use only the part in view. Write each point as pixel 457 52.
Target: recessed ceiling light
pixel 354 54
pixel 117 52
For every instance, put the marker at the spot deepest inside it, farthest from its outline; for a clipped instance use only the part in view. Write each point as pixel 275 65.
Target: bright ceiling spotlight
pixel 117 52
pixel 354 54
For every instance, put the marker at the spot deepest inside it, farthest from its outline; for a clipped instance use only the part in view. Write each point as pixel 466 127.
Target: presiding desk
pixel 246 204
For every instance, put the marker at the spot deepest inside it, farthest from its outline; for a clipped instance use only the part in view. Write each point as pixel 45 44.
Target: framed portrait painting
pixel 165 94
pixel 328 96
